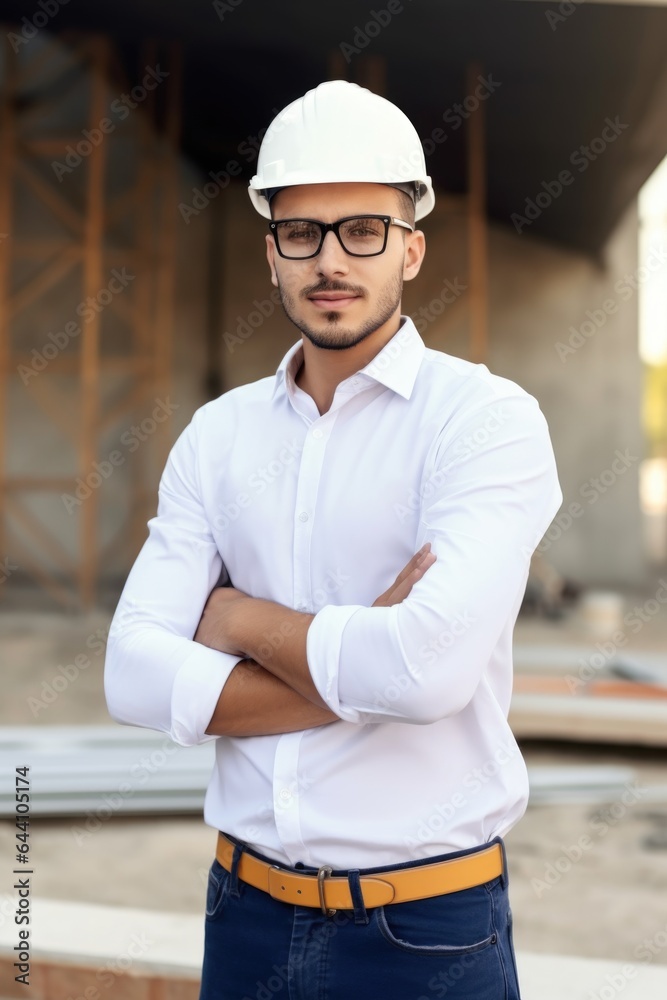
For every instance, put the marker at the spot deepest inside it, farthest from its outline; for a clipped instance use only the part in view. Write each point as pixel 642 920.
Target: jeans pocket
pixel 425 928
pixel 217 889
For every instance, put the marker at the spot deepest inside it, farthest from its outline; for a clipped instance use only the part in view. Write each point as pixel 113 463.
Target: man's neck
pixel 323 370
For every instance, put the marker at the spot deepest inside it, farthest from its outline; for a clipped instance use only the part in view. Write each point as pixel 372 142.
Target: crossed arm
pixel 271 690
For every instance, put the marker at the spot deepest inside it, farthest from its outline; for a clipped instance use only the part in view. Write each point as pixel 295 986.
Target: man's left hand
pixel 221 612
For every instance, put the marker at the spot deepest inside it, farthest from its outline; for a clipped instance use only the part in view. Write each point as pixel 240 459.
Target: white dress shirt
pixel 320 513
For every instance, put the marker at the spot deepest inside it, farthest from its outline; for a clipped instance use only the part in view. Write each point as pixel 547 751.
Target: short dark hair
pixel 406 206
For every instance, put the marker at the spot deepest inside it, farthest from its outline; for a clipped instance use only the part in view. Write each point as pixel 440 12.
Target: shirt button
pixel 317 433
pixel 285 794
pixel 303 516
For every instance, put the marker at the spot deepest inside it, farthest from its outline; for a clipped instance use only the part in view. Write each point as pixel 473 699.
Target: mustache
pixel 332 286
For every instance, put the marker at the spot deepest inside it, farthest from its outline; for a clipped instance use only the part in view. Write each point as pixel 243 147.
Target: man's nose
pixel 332 259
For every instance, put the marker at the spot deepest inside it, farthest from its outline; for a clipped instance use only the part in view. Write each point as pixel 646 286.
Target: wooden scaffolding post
pixel 477 229
pixel 167 244
pixel 337 67
pixel 145 245
pixel 90 341
pixel 372 73
pixel 7 156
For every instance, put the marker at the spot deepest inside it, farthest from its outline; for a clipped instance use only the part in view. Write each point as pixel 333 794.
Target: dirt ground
pixel 586 879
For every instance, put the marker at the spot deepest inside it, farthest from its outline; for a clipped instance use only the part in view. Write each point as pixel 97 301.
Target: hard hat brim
pixel 424 205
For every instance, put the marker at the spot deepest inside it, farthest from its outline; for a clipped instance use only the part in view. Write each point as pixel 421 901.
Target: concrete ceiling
pixel 559 78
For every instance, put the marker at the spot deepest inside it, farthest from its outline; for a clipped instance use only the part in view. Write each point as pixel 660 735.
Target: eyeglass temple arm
pixel 400 222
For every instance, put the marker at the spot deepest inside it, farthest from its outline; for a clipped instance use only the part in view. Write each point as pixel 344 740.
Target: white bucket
pixel 602 612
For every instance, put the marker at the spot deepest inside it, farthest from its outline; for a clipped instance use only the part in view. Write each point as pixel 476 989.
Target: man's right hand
pixel 402 585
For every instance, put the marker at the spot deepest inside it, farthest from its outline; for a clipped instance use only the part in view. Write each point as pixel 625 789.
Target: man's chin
pixel 331 336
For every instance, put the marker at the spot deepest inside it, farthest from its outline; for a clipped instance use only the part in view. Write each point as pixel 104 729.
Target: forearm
pixel 254 702
pixel 275 637
pixel 271 634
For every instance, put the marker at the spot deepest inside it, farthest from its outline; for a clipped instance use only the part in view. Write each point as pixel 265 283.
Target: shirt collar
pixel 395 366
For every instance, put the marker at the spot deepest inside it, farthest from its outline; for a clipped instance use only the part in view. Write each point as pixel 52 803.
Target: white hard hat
pixel 341 132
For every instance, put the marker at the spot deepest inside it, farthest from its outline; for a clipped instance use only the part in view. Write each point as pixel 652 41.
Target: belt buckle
pixel 323 872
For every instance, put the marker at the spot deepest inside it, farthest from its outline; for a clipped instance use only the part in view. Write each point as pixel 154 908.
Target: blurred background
pixel 134 287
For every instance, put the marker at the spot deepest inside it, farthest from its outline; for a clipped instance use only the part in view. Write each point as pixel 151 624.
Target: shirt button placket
pixel 288 808
pixel 310 471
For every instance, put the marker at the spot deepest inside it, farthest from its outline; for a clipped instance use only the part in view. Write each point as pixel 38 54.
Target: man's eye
pixel 362 228
pixel 301 233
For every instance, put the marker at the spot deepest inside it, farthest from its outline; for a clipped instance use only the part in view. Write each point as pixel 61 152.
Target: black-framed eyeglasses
pixel 359 235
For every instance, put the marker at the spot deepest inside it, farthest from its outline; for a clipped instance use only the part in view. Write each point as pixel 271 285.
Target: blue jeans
pixel 458 945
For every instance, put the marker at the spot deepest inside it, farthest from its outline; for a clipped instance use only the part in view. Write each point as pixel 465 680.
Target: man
pixel 375 505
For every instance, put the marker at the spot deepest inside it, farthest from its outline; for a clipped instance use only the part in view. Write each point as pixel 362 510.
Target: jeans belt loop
pixel 234 874
pixel 360 912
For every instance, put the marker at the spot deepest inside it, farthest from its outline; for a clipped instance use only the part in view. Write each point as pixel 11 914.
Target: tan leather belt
pixel 331 894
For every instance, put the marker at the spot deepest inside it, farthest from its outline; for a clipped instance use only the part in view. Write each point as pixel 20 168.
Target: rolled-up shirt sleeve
pixel 489 492
pixel 155 675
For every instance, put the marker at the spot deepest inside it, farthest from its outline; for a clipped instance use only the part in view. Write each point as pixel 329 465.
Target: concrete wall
pixel 590 394
pixel 546 306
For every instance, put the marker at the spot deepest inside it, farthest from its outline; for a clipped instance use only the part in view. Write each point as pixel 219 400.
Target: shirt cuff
pixel 195 692
pixel 323 646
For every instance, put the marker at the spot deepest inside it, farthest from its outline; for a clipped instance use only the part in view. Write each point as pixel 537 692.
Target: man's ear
pixel 415 249
pixel 271 257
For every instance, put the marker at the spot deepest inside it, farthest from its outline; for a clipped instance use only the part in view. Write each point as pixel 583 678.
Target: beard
pixel 335 335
